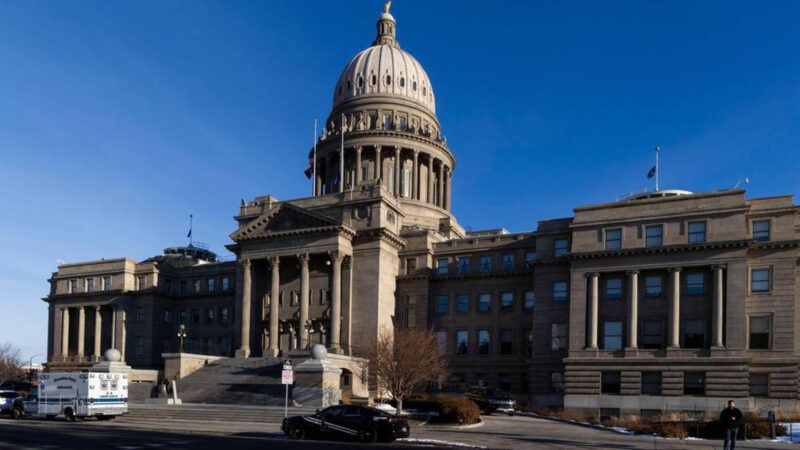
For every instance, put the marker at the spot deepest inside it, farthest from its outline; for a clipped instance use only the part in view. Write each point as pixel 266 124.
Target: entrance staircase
pixel 239 381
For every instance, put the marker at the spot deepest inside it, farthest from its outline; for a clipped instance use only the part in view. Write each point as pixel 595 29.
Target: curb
pixel 430 426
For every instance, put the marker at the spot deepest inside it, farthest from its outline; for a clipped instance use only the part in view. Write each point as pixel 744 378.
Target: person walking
pixel 731 419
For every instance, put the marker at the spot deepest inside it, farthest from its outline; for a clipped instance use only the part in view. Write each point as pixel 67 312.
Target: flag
pixel 310 169
pixel 651 173
pixel 189 234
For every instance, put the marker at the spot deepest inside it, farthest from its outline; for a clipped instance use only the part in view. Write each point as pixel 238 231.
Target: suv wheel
pixel 17 412
pixel 367 435
pixel 296 431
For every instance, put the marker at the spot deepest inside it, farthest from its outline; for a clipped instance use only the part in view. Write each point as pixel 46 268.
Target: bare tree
pixel 10 362
pixel 404 360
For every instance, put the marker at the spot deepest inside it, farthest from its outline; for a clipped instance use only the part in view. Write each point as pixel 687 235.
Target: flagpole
pixel 314 176
pixel 191 225
pixel 657 150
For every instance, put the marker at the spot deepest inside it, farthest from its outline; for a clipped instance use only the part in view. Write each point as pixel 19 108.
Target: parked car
pixel 26 406
pixel 7 400
pixel 491 399
pixel 362 423
pixel 20 387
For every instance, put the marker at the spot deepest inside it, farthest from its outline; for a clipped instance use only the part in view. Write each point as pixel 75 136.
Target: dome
pixel 385 69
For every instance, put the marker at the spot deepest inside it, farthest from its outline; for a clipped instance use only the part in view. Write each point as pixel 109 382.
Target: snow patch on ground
pixel 439 442
pixel 792 433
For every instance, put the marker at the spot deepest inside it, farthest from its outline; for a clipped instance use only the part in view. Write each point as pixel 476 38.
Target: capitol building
pixel 668 300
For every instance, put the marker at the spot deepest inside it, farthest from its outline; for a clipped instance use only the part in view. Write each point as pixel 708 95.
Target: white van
pixel 81 394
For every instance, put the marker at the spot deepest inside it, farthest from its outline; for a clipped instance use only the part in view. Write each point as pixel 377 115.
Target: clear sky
pixel 119 119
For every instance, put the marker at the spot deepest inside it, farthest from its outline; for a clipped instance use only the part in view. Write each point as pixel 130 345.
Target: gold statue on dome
pixel 386 6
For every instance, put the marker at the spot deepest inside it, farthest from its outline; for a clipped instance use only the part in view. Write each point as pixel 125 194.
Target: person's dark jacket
pixel 731 417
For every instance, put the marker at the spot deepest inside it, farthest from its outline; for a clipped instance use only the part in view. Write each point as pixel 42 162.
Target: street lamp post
pixel 30 363
pixel 181 336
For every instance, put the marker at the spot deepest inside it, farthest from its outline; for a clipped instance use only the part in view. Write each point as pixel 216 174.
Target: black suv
pixel 354 422
pixel 490 400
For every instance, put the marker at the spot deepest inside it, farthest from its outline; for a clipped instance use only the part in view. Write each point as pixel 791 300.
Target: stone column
pixel 633 309
pixel 123 334
pixel 675 309
pixel 358 165
pixel 593 302
pixel 440 199
pixel 447 189
pixel 415 176
pixel 717 319
pixel 244 331
pixel 114 327
pixel 81 331
pixel 378 165
pixel 65 333
pixel 336 300
pixel 274 306
pixel 341 170
pixel 98 335
pixel 397 165
pixel 304 287
pixel 431 161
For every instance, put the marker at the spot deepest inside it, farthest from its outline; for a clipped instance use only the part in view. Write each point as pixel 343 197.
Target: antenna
pixel 745 180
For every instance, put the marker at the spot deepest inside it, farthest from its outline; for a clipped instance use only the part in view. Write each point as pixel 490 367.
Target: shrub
pixel 457 410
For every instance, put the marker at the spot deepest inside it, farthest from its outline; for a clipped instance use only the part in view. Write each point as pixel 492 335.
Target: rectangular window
pixel 652 334
pixel 463 265
pixel 759 384
pixel 441 266
pixel 483 342
pixel 183 287
pixel 224 313
pixel 697 232
pixel 560 293
pixel 167 316
pixel 694 335
pixel 614 239
pixel 558 339
pixel 527 342
pixel 530 257
pixel 387 122
pixel 612 335
pixel 210 315
pixel 90 285
pixel 195 316
pixel 140 314
pixel 560 247
pixel 508 261
pixel 107 283
pixel 139 345
pixel 211 283
pixel 411 265
pixel 484 302
pixel 165 345
pixel 463 303
pixel 610 382
pixel 441 341
pixel 651 383
pixel 486 263
pixel 402 124
pixel 441 304
pixel 759 280
pixel 226 284
pixel 761 230
pixel 182 317
pixel 556 382
pixel 694 383
pixel 141 282
pixel 759 333
pixel 507 301
pixel 73 286
pixel 530 299
pixel 411 317
pixel 462 342
pixel 653 235
pixel 613 288
pixel 197 286
pixel 505 342
pixel 653 286
pixel 695 284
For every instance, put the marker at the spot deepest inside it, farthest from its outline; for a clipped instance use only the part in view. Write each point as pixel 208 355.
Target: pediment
pixel 283 219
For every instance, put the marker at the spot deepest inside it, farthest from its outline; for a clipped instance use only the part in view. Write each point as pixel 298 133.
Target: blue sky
pixel 119 119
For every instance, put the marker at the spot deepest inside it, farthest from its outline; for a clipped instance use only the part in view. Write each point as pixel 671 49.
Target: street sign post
pixel 287 378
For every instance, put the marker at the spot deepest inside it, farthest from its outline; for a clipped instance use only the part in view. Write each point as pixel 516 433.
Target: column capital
pixel 274 261
pixel 719 266
pixel 378 147
pixel 336 255
pixel 591 274
pixel 416 151
pixel 304 258
pixel 632 272
pixel 97 307
pixel 674 269
pixel 396 149
pixel 245 263
pixel 358 148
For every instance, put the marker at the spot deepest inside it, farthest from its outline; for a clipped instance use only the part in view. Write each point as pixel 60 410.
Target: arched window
pixel 360 81
pixel 402 82
pixel 374 79
pixel 414 85
pixel 388 80
pixel 424 91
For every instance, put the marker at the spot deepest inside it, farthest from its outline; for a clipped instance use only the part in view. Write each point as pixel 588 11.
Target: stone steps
pixel 238 381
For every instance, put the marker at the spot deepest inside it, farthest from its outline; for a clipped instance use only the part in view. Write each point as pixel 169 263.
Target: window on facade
pixel 73 286
pixel 486 263
pixel 609 382
pixel 165 345
pixel 556 382
pixel 402 82
pixel 560 247
pixel 168 286
pixel 653 286
pixel 694 383
pixel 197 286
pixel 759 333
pixel 651 383
pixel 507 301
pixel 441 341
pixel 462 342
pixel 614 239
pixel 140 314
pixel 402 124
pixel 411 317
pixel 484 302
pixel 759 384
pixel 508 261
pixel 182 317
pixel 652 334
pixel 224 314
pixel 560 291
pixel 530 299
pixel 613 288
pixel 141 281
pixel 653 235
pixel 695 284
pixel 210 315
pixel 226 284
pixel 387 122
pixel 504 382
pixel 612 335
pixel 527 342
pixel 211 284
pixel 183 287
pixel 463 265
pixel 411 265
pixel 90 285
pixel 530 256
pixel 759 280
pixel 697 232
pixel 441 266
pixel 463 303
pixel 195 316
pixel 694 335
pixel 139 345
pixel 167 316
pixel 761 230
pixel 558 339
pixel 441 304
pixel 483 342
pixel 505 342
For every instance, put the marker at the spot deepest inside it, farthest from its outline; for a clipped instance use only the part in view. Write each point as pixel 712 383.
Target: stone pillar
pixel 274 306
pixel 633 309
pixel 397 165
pixel 717 319
pixel 593 302
pixel 341 171
pixel 98 333
pixel 358 165
pixel 336 300
pixel 123 337
pixel 447 197
pixel 440 199
pixel 81 331
pixel 431 161
pixel 415 176
pixel 65 333
pixel 114 327
pixel 675 309
pixel 304 288
pixel 378 165
pixel 244 347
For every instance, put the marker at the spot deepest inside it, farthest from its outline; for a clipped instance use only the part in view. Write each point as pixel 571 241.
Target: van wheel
pixel 17 413
pixel 69 414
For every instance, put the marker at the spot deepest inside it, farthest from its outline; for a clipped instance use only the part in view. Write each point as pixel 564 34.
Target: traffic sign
pixel 287 376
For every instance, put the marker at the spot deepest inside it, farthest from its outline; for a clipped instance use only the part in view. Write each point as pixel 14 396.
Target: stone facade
pixel 666 300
